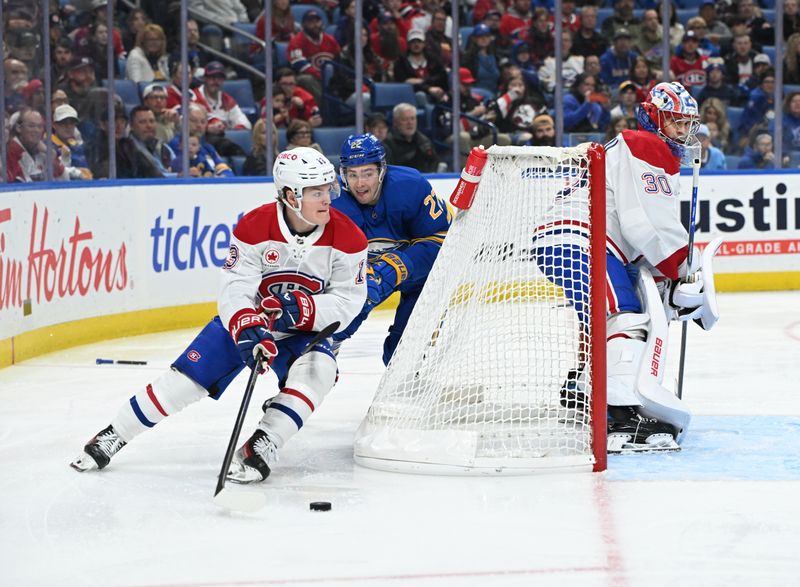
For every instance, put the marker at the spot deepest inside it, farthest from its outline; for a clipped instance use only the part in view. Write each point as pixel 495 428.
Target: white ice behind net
pixel 475 381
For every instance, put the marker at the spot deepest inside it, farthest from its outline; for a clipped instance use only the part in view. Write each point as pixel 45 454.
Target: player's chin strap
pixel 695 297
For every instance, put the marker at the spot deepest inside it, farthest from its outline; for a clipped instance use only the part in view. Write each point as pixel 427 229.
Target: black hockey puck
pixel 320 506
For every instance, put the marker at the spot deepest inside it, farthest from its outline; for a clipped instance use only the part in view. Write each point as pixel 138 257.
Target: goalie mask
pixel 300 168
pixel 359 150
pixel 671 112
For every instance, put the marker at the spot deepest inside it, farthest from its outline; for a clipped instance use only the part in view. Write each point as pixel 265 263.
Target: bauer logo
pixel 193 356
pixel 182 241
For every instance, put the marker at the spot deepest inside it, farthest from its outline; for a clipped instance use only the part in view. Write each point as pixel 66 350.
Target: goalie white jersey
pixel 265 258
pixel 642 203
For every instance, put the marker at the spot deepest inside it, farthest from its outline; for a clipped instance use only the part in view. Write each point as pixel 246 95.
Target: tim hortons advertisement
pixel 69 254
pixel 84 250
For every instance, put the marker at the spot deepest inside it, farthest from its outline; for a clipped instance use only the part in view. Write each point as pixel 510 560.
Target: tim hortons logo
pixel 57 270
pixel 656 360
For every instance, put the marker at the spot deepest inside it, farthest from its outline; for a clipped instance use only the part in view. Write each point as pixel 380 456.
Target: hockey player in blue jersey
pixel 405 223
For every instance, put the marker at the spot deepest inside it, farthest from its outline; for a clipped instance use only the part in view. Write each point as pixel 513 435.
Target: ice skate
pixel 629 432
pixel 251 462
pixel 98 451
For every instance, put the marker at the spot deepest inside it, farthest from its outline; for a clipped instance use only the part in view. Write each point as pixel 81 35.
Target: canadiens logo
pixel 193 356
pixel 271 257
pixel 233 257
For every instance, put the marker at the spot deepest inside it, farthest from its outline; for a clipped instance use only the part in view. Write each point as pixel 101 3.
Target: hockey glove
pixel 249 331
pixel 294 310
pixel 694 297
pixel 385 274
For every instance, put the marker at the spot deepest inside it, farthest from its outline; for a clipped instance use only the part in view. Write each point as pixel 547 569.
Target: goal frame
pixel 597 460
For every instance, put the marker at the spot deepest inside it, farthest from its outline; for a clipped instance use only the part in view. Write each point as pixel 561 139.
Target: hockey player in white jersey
pixel 646 242
pixel 294 267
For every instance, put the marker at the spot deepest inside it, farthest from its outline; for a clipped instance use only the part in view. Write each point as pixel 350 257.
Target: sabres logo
pixel 271 257
pixel 193 356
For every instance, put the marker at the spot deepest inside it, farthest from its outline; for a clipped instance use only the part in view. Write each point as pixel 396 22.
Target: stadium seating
pixel 769 51
pixel 385 96
pixel 127 90
pixel 237 164
pixel 242 91
pixel 576 138
pixel 464 33
pixel 281 54
pixel 330 139
pixel 243 138
pixel 240 44
pixel 734 117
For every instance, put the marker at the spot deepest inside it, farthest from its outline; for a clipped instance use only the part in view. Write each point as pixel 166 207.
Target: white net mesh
pixel 476 381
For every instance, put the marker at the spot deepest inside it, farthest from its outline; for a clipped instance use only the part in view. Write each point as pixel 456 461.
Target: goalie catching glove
pixel 385 274
pixel 250 331
pixel 694 296
pixel 290 311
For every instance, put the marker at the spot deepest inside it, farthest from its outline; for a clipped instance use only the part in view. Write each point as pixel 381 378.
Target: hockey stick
pixel 689 255
pixel 250 501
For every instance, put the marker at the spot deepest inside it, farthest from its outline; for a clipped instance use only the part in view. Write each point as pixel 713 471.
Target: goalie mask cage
pixel 476 381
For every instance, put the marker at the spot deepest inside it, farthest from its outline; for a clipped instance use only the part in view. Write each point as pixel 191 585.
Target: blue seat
pixel 281 139
pixel 143 85
pixel 732 161
pixel 483 93
pixel 684 14
pixel 125 89
pixel 241 43
pixel 330 139
pixel 769 15
pixel 242 91
pixel 243 138
pixel 282 54
pixel 385 96
pixel 237 164
pixel 734 117
pixel 298 10
pixel 769 51
pixel 789 88
pixel 576 138
pixel 464 33
pixel 603 14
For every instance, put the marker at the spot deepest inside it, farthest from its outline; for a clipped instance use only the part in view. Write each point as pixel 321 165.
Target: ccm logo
pixel 655 361
pixel 193 356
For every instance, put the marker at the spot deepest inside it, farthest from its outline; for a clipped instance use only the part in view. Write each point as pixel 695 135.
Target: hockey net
pixel 475 384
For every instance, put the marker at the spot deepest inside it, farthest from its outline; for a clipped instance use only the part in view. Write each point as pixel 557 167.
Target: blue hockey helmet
pixel 361 150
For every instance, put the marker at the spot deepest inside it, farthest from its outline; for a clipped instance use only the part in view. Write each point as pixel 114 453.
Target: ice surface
pixel 724 511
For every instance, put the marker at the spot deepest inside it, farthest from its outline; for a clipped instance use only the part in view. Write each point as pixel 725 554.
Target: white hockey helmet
pixel 300 168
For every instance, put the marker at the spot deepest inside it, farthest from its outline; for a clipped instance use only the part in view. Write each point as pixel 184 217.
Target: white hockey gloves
pixel 694 297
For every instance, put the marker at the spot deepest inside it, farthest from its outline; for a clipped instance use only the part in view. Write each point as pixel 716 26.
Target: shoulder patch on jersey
pixel 652 150
pixel 260 225
pixel 342 234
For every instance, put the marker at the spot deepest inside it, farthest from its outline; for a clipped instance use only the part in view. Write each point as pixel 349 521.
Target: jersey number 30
pixel 654 184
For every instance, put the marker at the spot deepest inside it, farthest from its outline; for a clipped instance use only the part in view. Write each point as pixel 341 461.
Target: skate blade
pixel 240 500
pixel 83 463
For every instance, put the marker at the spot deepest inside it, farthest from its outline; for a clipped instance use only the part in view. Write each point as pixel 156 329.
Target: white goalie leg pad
pixel 167 395
pixel 626 343
pixel 310 379
pixel 655 400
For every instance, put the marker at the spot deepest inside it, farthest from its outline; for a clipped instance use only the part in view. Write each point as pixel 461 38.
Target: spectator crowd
pixel 723 51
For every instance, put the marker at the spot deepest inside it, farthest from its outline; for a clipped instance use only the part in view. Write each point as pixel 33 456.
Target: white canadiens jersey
pixel 265 258
pixel 642 203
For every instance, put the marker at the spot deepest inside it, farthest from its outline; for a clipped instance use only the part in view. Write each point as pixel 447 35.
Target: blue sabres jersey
pixel 408 217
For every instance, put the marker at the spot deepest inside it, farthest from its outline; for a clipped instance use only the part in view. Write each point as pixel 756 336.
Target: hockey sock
pixel 167 395
pixel 310 379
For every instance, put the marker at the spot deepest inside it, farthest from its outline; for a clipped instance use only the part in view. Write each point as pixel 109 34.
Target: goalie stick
pixel 689 255
pixel 243 500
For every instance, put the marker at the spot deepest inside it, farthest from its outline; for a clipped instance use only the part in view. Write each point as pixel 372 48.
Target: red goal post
pixel 513 313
